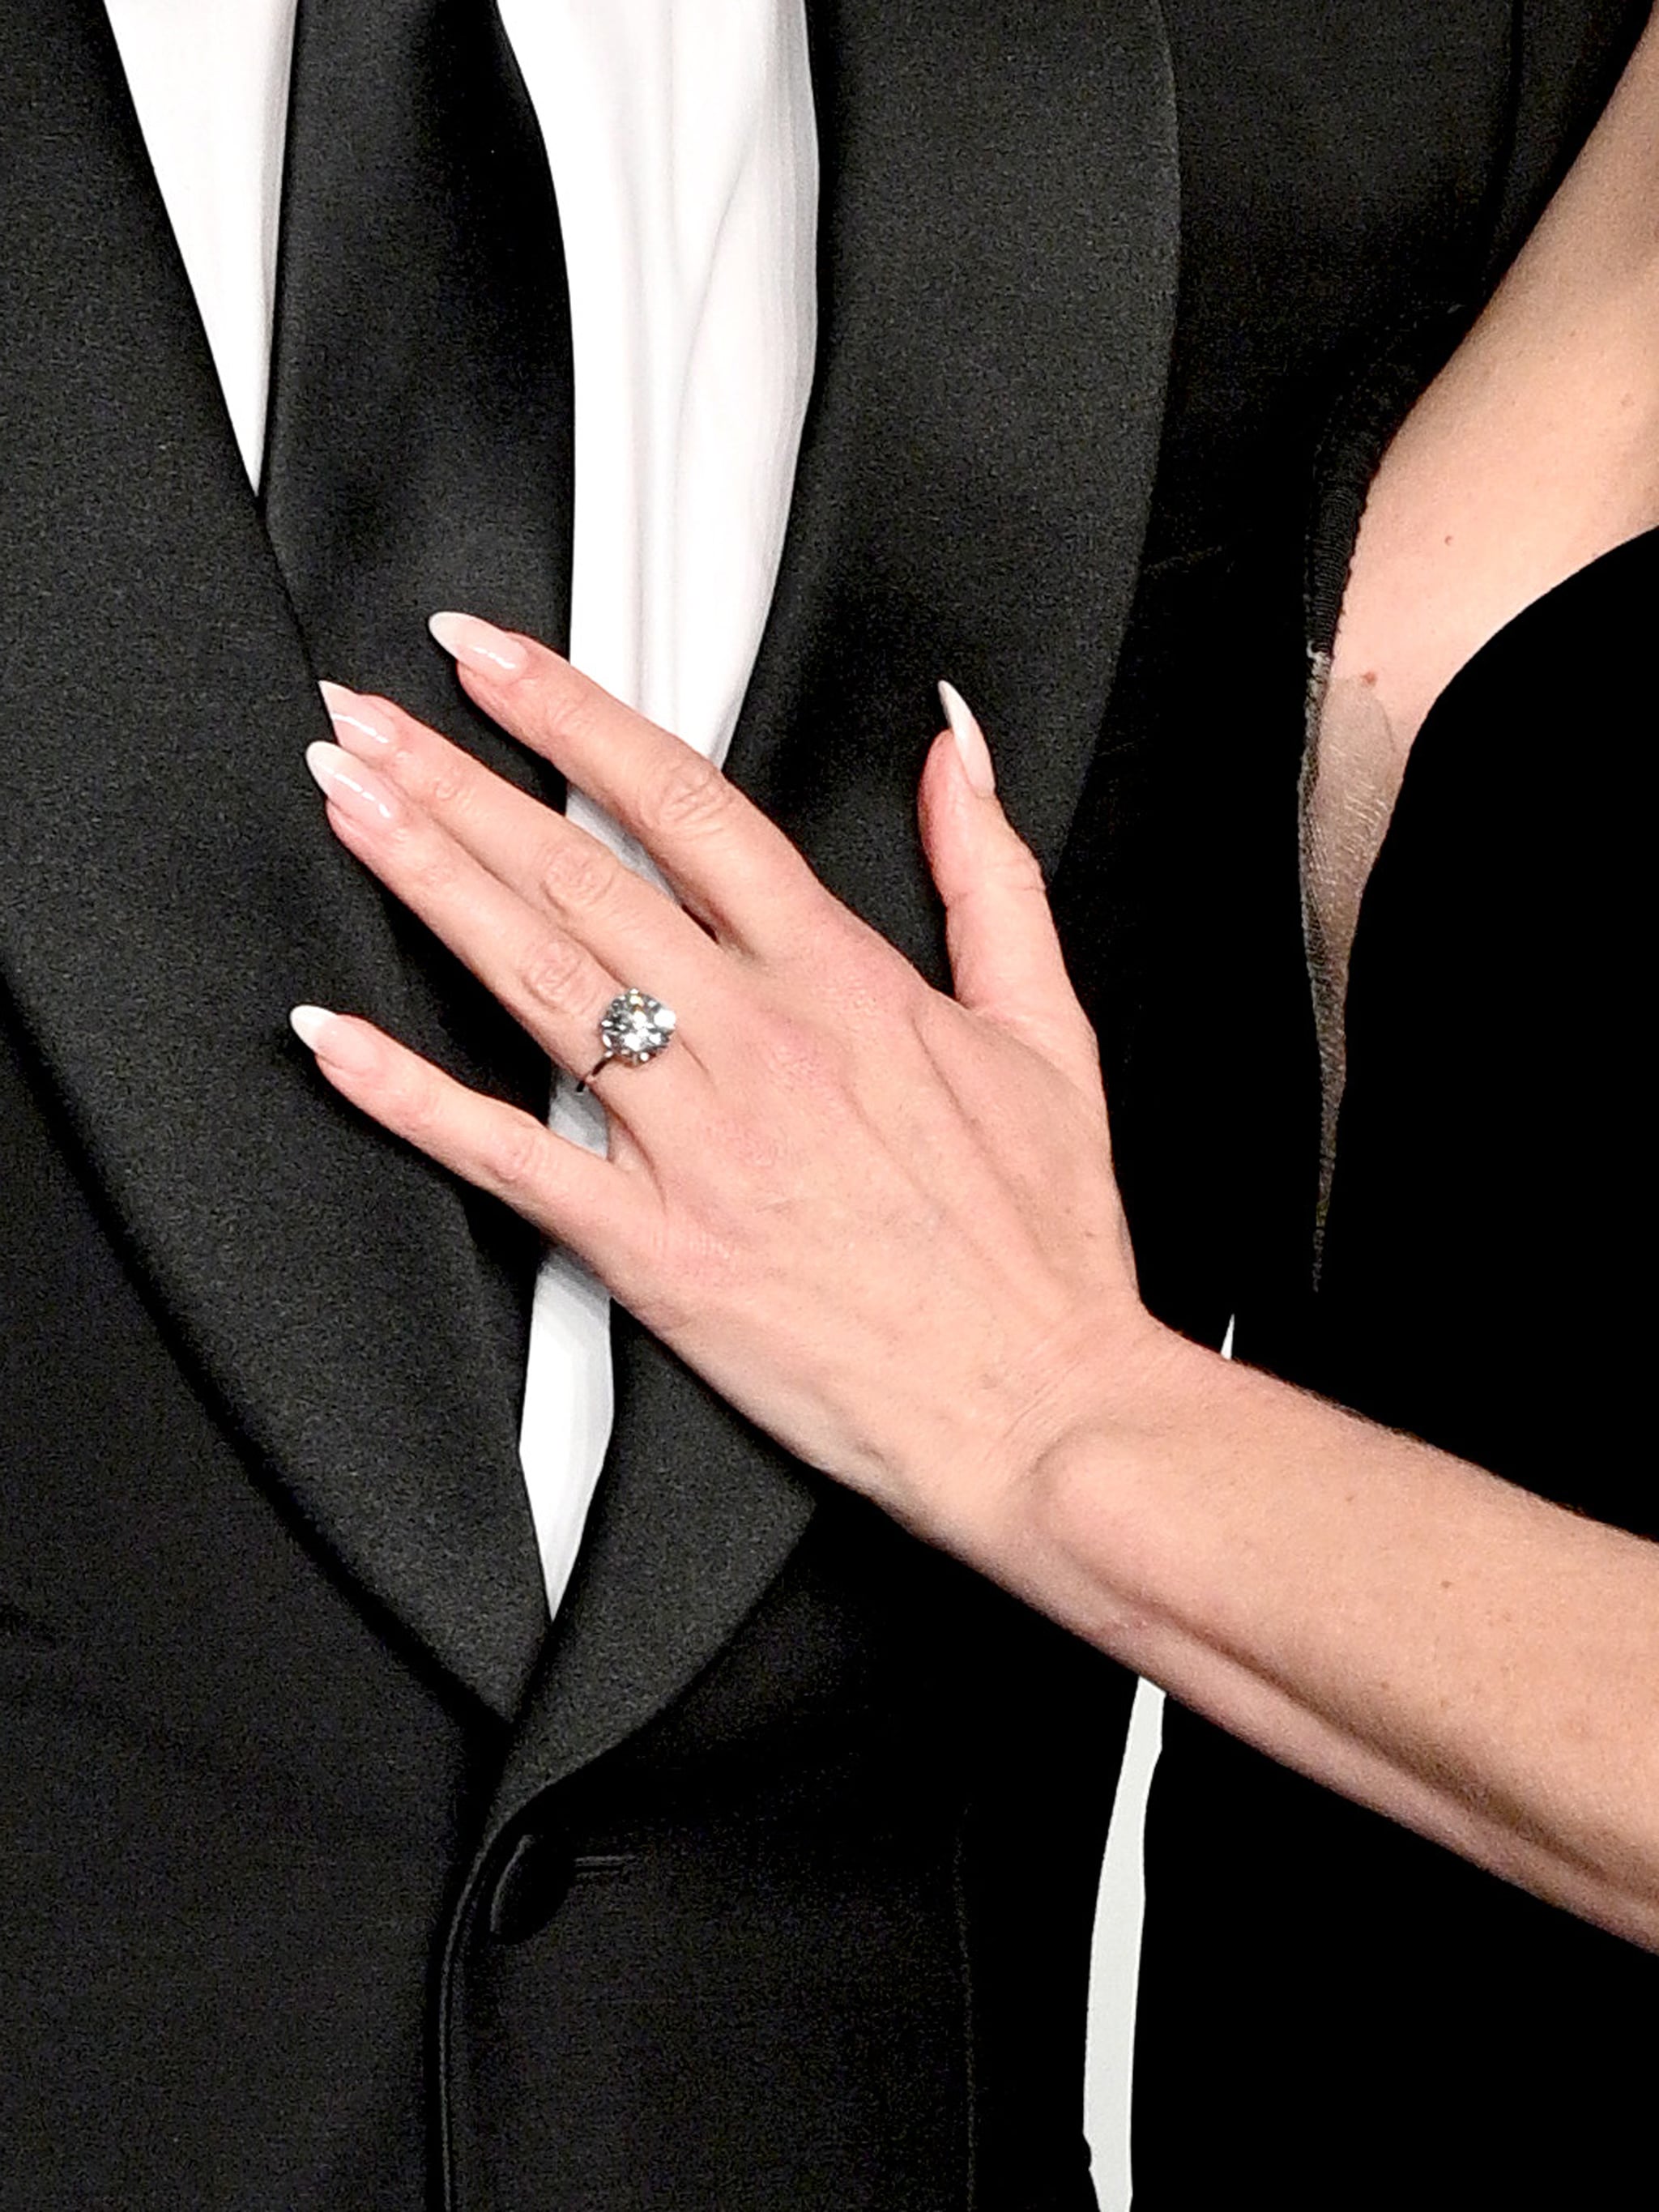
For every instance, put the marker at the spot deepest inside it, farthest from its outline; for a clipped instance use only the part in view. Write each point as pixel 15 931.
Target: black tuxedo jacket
pixel 331 1876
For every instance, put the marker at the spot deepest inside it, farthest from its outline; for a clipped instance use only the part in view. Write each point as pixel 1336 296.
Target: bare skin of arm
pixel 1403 1627
pixel 883 1221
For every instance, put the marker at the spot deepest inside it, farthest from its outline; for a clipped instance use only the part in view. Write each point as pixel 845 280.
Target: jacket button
pixel 530 1887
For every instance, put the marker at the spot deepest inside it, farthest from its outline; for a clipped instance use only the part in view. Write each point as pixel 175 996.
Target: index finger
pixel 733 869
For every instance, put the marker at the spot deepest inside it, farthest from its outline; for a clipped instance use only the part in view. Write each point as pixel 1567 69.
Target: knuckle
pixel 691 1266
pixel 710 1260
pixel 575 875
pixel 810 929
pixel 446 785
pixel 858 972
pixel 886 986
pixel 553 973
pixel 573 706
pixel 514 1156
pixel 420 1103
pixel 686 796
pixel 1022 871
pixel 429 859
pixel 936 1020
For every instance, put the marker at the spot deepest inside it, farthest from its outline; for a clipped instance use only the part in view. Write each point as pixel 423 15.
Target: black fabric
pixel 419 433
pixel 170 890
pixel 846 1778
pixel 1301 245
pixel 231 1799
pixel 817 1937
pixel 1370 2022
pixel 797 1841
pixel 1495 1199
pixel 993 261
pixel 1304 246
pixel 1569 54
pixel 1295 2038
pixel 419 426
pixel 995 304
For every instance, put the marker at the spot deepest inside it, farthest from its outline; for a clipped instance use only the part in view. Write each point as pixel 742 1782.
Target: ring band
pixel 634 1027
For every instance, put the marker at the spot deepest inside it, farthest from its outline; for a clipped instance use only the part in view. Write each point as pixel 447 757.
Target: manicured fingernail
pixel 342 1044
pixel 362 728
pixel 971 749
pixel 480 644
pixel 347 784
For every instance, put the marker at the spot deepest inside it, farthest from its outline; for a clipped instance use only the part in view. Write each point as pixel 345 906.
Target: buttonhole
pixel 600 1866
pixel 539 1873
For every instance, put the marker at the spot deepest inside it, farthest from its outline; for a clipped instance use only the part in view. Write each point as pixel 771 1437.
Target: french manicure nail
pixel 338 1042
pixel 346 783
pixel 309 1024
pixel 363 730
pixel 971 749
pixel 479 645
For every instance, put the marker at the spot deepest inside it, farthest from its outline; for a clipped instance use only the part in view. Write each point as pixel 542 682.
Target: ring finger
pixel 557 868
pixel 545 977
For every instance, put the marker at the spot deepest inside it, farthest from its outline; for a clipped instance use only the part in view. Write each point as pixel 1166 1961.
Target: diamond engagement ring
pixel 633 1027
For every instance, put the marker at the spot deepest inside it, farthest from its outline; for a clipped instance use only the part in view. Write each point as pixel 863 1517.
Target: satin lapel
pixel 997 290
pixel 998 229
pixel 169 889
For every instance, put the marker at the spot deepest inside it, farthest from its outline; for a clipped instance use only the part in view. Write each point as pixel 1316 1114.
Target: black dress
pixel 1352 181
pixel 1378 2023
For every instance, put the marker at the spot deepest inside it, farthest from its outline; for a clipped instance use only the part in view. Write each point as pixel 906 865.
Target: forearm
pixel 884 1225
pixel 1395 1623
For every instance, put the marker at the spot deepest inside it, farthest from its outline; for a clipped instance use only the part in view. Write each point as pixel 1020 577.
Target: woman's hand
pixel 881 1221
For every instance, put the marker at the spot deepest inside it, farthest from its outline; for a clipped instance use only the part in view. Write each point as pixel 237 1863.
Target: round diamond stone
pixel 636 1027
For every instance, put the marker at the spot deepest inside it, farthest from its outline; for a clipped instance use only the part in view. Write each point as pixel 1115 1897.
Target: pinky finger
pixel 570 1195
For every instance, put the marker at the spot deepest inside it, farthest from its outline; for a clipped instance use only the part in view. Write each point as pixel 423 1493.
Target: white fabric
pixel 685 159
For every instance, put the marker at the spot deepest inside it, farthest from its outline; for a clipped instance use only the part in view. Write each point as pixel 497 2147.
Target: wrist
pixel 1096 1409
pixel 1091 1502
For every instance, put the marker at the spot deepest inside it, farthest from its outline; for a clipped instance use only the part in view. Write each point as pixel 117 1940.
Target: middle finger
pixel 546 978
pixel 557 869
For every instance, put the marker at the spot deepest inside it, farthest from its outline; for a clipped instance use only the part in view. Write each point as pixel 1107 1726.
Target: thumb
pixel 1005 951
